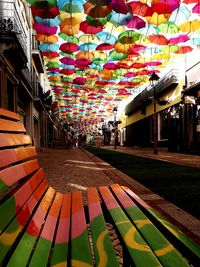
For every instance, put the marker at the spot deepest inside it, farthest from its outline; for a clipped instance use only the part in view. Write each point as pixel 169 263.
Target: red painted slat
pixel 9 140
pixel 11 126
pixel 10 156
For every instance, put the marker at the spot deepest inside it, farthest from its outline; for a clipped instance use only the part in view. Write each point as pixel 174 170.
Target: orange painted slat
pixel 9 114
pixel 7 139
pixel 11 126
pixel 9 156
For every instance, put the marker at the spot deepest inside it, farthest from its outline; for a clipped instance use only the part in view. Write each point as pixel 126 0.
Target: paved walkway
pixel 73 169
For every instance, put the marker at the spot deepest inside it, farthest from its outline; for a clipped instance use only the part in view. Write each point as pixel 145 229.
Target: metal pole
pixel 115 133
pixel 155 130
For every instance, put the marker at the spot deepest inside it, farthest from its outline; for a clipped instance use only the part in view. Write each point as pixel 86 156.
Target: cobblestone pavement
pixel 77 169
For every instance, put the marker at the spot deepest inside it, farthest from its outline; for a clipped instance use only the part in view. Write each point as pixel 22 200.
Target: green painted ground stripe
pixel 103 248
pixel 139 250
pixel 192 246
pixel 60 253
pixel 163 249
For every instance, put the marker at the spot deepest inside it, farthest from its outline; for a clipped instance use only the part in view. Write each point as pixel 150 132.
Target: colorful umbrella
pixel 69 47
pixel 89 29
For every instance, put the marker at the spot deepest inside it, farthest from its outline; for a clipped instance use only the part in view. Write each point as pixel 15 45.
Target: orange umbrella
pixel 158 39
pixel 68 28
pixel 96 11
pixel 52 39
pixel 85 55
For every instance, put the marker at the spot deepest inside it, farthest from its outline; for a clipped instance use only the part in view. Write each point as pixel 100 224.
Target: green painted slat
pixel 42 250
pixel 102 245
pixel 60 249
pixel 163 249
pixel 80 247
pixel 192 246
pixel 25 246
pixel 139 251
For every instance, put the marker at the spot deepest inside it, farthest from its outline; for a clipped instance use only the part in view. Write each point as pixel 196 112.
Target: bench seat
pixel 42 227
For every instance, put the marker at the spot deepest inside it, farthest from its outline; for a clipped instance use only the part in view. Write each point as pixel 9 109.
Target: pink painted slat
pixel 15 173
pixel 50 224
pixel 9 114
pixel 122 196
pixel 78 217
pixel 108 198
pixel 94 206
pixel 62 235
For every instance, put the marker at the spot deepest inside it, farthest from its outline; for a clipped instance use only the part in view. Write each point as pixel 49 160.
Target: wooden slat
pixel 42 250
pixel 8 236
pixel 139 251
pixel 9 114
pixel 10 140
pixel 12 175
pixel 24 248
pixel 80 247
pixel 163 249
pixel 60 249
pixel 11 126
pixel 103 248
pixel 10 156
pixel 187 242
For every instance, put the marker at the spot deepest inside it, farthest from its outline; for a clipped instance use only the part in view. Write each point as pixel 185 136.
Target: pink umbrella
pixel 119 6
pixel 67 61
pixel 130 74
pixel 179 39
pixel 153 63
pixel 43 29
pixel 79 80
pixel 110 66
pixel 136 23
pixel 196 8
pixel 82 62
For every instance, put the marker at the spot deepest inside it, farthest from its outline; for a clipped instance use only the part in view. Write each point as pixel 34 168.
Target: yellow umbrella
pixel 123 48
pixel 157 19
pixel 100 54
pixel 88 38
pixel 190 26
pixel 113 29
pixel 71 18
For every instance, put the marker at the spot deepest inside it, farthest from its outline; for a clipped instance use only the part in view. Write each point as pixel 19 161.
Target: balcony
pixel 37 56
pixel 13 31
pixel 170 80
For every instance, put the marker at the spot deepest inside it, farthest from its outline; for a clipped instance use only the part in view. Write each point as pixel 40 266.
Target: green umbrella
pixel 168 27
pixel 128 37
pixel 117 56
pixel 68 38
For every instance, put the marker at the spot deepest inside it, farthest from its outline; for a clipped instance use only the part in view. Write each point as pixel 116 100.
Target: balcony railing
pixel 11 21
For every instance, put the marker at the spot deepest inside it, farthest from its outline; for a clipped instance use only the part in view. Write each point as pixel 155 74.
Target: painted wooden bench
pixel 41 227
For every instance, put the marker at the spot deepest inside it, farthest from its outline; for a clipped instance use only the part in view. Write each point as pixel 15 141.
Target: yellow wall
pixel 174 97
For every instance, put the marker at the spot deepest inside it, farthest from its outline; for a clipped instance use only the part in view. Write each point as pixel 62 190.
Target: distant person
pixel 98 141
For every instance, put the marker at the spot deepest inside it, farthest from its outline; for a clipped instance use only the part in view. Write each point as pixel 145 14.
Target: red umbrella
pixel 89 29
pixel 50 54
pixel 184 49
pixel 67 71
pixel 45 13
pixel 138 65
pixel 166 6
pixel 69 47
pixel 141 9
pixel 158 39
pixel 130 74
pixel 79 80
pixel 104 46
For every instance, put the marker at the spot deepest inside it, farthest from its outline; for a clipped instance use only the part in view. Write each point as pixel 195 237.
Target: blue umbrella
pixel 46 47
pixel 87 46
pixel 106 37
pixel 48 22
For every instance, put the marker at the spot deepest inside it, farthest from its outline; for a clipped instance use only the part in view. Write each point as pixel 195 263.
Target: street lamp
pixel 115 126
pixel 153 81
